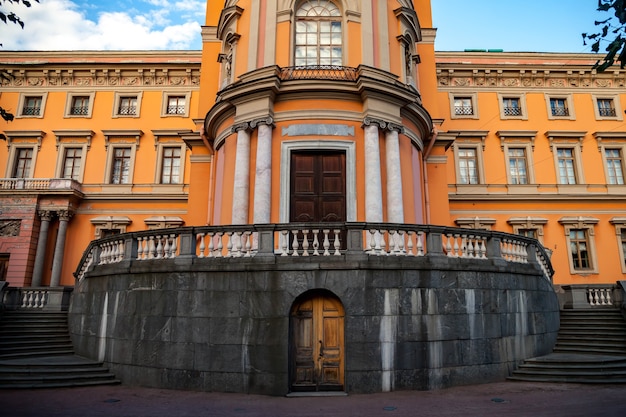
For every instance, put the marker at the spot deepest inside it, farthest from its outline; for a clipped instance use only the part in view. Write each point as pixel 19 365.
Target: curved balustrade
pixel 312 240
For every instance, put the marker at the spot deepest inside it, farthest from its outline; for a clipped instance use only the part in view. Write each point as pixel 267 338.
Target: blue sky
pixel 522 25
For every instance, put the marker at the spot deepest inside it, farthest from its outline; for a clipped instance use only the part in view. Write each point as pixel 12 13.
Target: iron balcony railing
pixel 463 110
pixel 607 112
pixel 560 111
pixel 512 111
pixel 318 72
pixel 31 111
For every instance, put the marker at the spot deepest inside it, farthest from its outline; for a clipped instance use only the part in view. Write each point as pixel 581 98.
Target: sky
pixel 510 25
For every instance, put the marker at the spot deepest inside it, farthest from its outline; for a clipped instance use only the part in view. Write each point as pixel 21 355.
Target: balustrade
pixel 600 296
pixel 314 240
pixel 36 298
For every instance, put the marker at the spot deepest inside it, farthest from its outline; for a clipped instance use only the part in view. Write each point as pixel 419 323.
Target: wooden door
pixel 318 186
pixel 317 351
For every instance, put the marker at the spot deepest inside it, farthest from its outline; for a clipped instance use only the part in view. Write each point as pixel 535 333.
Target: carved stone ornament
pixel 10 228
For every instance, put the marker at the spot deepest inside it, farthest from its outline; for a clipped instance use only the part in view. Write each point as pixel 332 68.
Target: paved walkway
pixel 508 399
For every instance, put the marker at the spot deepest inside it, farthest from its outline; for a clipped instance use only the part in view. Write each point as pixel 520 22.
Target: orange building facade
pixel 310 111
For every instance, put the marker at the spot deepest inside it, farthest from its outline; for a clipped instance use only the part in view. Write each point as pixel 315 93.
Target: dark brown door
pixel 317 345
pixel 318 187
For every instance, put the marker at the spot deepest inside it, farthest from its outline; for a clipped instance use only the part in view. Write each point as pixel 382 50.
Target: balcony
pixel 318 72
pixel 40 184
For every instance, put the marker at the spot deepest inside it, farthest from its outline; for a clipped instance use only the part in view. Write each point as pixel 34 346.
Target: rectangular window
pixel 518 166
pixel 579 248
pixel 528 233
pixel 558 107
pixel 463 106
pixel 606 107
pixel 468 166
pixel 120 166
pixel 127 106
pixel 32 106
pixel 567 166
pixel 72 163
pixel 614 164
pixel 176 105
pixel 23 161
pixel 79 106
pixel 170 170
pixel 511 106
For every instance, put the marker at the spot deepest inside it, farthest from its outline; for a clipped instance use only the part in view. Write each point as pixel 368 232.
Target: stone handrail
pixel 311 240
pixel 39 184
pixel 37 298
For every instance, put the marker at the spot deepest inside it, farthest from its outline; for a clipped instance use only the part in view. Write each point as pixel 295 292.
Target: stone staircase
pixel 36 352
pixel 590 348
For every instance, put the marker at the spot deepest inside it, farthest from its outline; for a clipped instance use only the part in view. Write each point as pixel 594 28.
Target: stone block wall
pixel 223 324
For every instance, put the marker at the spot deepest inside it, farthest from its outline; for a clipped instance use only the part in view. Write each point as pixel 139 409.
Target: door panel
pixel 318 186
pixel 317 345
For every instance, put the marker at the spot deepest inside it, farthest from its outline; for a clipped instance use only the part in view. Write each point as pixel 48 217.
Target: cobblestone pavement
pixel 508 399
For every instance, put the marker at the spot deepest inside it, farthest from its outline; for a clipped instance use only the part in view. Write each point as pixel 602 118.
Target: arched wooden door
pixel 317 344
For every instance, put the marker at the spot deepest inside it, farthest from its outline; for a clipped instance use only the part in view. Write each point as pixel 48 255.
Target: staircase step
pixel 564 379
pixel 64 384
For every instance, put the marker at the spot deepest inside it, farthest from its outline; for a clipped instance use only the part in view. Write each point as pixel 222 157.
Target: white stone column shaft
pixel 395 208
pixel 263 175
pixel 241 191
pixel 59 249
pixel 373 183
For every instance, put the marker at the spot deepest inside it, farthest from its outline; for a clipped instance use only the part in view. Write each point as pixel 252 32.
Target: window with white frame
pixel 127 104
pixel 175 104
pixel 318 34
pixel 72 148
pixel 121 149
pixel 24 146
pixel 467 165
pixel 518 146
pixel 468 156
pixel 512 106
pixel 612 145
pixel 170 156
pixel 567 147
pixel 579 233
pixel 560 107
pixel 32 105
pixel 607 107
pixel 463 106
pixel 79 104
pixel 620 231
pixel 528 226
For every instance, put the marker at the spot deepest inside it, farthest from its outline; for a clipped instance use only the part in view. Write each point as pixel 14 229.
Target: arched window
pixel 318 34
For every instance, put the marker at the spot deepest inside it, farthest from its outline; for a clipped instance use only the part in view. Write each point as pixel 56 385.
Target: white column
pixel 263 174
pixel 395 208
pixel 59 249
pixel 40 255
pixel 241 189
pixel 373 186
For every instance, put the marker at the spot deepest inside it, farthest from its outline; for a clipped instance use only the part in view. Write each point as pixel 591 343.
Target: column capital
pixel 394 127
pixel 240 126
pixel 65 215
pixel 269 121
pixel 369 121
pixel 45 215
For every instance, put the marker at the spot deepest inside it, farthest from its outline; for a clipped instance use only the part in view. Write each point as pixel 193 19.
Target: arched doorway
pixel 317 343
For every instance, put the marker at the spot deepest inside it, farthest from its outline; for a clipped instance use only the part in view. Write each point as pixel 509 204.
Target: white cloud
pixel 59 25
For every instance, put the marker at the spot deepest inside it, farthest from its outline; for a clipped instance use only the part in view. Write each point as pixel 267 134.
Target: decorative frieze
pixel 450 78
pixel 37 78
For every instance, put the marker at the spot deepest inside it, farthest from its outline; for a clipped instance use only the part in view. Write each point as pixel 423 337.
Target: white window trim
pixel 22 99
pixel 472 96
pixel 61 159
pixel 522 102
pixel 518 139
pixel 620 225
pixel 616 105
pixel 583 223
pixel 479 223
pixel 159 165
pixel 572 140
pixel 570 106
pixel 120 139
pixel 163 222
pixel 13 154
pixel 529 223
pixel 165 100
pixel 288 147
pixel 470 139
pixel 110 223
pixel 69 100
pixel 116 104
pixel 612 140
